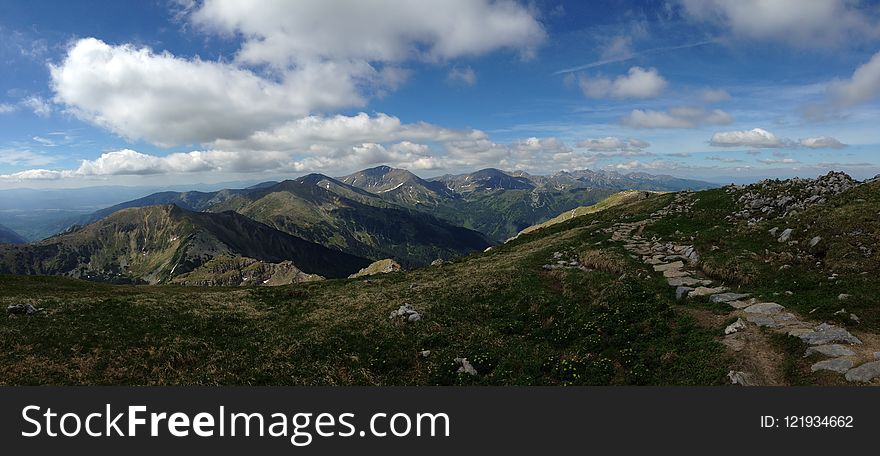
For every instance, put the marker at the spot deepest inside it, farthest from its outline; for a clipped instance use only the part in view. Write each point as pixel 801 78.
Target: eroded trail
pixel 854 356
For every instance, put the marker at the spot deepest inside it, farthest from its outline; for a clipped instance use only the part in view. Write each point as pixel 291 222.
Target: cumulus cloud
pixel 463 75
pixel 640 165
pixel 863 86
pixel 677 117
pixel 814 23
pixel 612 145
pixel 6 108
pixel 821 142
pixel 35 174
pixel 755 138
pixel 637 83
pixel 285 33
pixel 314 64
pixel 758 138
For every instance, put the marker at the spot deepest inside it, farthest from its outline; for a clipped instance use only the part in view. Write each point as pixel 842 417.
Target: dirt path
pixel 856 357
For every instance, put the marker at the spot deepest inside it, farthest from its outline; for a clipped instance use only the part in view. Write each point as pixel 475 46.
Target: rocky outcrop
pixel 782 198
pixel 377 267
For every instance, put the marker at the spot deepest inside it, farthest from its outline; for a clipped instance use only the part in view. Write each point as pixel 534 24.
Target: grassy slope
pixel 613 200
pixel 516 322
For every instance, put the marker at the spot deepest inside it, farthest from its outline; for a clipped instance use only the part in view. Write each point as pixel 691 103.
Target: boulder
pixel 839 365
pixel 864 373
pixel 682 292
pixel 825 334
pixel 705 291
pixel 736 326
pixel 785 236
pixel 406 312
pixel 727 297
pixel 832 350
pixel 764 308
pixel 465 367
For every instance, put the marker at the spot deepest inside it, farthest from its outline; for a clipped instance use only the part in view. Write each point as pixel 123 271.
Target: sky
pixel 165 92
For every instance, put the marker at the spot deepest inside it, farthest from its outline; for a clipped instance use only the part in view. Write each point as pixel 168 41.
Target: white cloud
pixel 612 145
pixel 862 87
pixel 639 165
pixel 38 105
pixel 677 117
pixel 34 174
pixel 464 75
pixel 166 100
pixel 758 138
pixel 779 161
pixel 821 142
pixel 6 108
pixel 812 23
pixel 714 95
pixel 290 33
pixel 16 157
pixel 341 130
pixel 755 138
pixel 637 83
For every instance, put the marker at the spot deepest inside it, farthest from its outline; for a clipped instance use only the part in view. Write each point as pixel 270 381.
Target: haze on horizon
pixel 184 91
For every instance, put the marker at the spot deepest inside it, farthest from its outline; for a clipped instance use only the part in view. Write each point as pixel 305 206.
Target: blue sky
pixel 169 92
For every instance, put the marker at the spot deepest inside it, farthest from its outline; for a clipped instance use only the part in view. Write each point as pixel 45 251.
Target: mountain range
pixel 318 225
pixel 7 236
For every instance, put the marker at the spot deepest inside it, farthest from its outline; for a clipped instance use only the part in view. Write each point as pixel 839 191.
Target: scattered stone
pixel 683 281
pixel 843 297
pixel 839 365
pixel 669 266
pixel 682 292
pixel 762 320
pixel 735 326
pixel 671 274
pixel 815 241
pixel 854 318
pixel 765 308
pixel 727 297
pixel 785 236
pixel 826 334
pixel 740 378
pixel 406 312
pixel 740 304
pixel 832 350
pixel 773 231
pixel 425 353
pixel 789 293
pixel 465 366
pixel 864 373
pixel 22 309
pixel 704 291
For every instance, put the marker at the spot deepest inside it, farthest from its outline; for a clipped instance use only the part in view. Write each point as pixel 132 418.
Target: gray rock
pixel 826 334
pixel 740 378
pixel 864 373
pixel 704 291
pixel 465 367
pixel 738 325
pixel 839 365
pixel 406 312
pixel 22 309
pixel 740 304
pixel 843 296
pixel 669 266
pixel 682 292
pixel 773 231
pixel 832 350
pixel 815 241
pixel 727 297
pixel 682 281
pixel 763 320
pixel 425 353
pixel 764 308
pixel 786 235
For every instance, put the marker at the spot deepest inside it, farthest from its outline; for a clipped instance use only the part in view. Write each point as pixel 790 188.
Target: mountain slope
pixel 157 243
pixel 399 186
pixel 485 179
pixel 616 199
pixel 7 236
pixel 329 212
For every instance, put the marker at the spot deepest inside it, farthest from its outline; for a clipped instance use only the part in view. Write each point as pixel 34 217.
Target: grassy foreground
pixel 517 322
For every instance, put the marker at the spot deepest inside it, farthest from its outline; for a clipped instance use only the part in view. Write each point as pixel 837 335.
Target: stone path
pixel 844 353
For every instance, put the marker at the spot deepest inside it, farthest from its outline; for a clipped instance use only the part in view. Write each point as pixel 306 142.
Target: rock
pixel 826 334
pixel 671 274
pixel 763 320
pixel 843 297
pixel 839 365
pixel 22 309
pixel 704 291
pixel 682 292
pixel 832 350
pixel 740 304
pixel 465 366
pixel 789 293
pixel 682 281
pixel 669 266
pixel 425 353
pixel 764 308
pixel 740 378
pixel 785 236
pixel 864 373
pixel 378 267
pixel 815 241
pixel 738 325
pixel 773 231
pixel 854 317
pixel 406 312
pixel 727 297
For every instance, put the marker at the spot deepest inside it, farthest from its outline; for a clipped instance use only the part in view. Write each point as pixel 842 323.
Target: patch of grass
pixel 794 370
